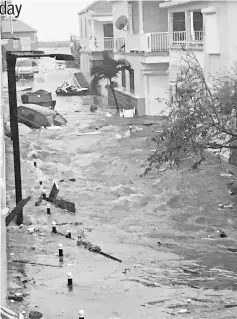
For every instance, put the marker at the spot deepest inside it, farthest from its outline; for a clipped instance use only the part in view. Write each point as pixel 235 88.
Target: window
pixel 131 77
pixel 40 120
pixel 23 62
pixel 56 120
pixel 178 21
pixel 123 79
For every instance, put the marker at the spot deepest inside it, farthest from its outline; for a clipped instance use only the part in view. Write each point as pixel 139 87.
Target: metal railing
pixel 179 39
pixel 103 44
pixel 198 36
pixel 158 41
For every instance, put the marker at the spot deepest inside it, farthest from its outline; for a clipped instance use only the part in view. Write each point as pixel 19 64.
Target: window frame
pixel 123 78
pixel 132 80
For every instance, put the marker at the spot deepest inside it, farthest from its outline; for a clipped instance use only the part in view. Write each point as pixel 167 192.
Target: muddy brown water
pixel 125 215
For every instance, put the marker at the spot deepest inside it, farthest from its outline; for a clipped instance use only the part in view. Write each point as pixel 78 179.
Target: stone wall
pixel 127 101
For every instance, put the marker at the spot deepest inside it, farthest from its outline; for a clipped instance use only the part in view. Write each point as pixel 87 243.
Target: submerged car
pixel 36 116
pixel 24 68
pixel 40 97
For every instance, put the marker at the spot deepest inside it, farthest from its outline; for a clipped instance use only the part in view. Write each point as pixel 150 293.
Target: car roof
pixel 22 59
pixel 41 109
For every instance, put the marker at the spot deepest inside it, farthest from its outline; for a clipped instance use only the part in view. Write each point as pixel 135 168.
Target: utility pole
pixel 11 64
pixel 11 57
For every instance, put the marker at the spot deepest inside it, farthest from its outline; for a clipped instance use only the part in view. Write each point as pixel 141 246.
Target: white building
pixel 95 35
pixel 151 35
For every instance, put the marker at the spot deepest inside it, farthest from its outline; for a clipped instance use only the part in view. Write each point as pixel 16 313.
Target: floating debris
pixel 96 249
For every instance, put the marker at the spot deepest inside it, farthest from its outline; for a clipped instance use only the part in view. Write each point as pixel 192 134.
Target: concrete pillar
pixel 141 26
pixel 146 88
pixel 188 27
pixel 170 27
pixel 92 46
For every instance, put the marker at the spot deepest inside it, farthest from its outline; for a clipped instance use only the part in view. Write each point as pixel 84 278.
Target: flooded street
pixel 126 215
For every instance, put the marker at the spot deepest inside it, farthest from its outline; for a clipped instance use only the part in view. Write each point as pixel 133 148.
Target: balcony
pixel 98 44
pixel 147 42
pixel 102 44
pixel 158 41
pixel 179 40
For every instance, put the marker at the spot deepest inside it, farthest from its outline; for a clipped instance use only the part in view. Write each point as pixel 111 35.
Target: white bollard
pixel 81 314
pixel 54 229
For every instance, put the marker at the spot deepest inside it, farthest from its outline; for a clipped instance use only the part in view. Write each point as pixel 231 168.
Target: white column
pixel 141 27
pixel 188 27
pixel 146 87
pixel 170 28
pixel 92 41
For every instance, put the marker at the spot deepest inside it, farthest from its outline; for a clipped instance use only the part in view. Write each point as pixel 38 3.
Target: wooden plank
pixel 54 192
pixel 88 133
pixel 109 256
pixel 63 204
pixel 16 210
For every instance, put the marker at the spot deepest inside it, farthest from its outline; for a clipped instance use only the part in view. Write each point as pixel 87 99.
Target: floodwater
pixel 126 216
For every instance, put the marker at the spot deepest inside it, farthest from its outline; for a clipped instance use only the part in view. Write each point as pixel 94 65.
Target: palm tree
pixel 109 69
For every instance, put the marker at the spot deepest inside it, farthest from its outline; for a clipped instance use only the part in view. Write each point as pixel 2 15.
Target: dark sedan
pixel 36 116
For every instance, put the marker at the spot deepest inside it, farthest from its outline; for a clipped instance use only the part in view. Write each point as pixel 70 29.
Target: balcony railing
pixel 180 39
pixel 102 44
pixel 158 41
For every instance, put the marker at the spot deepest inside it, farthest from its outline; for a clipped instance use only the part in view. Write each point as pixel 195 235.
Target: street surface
pixel 126 216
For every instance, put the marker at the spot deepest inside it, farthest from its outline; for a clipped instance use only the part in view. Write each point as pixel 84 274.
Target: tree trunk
pixel 113 92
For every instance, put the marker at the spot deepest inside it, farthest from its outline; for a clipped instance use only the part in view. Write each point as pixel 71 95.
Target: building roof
pixel 173 3
pixel 18 26
pixel 98 7
pixel 38 108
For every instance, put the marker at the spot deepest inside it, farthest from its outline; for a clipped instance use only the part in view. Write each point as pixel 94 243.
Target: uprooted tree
pixel 202 117
pixel 109 70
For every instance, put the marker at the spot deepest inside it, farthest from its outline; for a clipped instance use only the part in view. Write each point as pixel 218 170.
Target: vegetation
pixel 108 69
pixel 202 116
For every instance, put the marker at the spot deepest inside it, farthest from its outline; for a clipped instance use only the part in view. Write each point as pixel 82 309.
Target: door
pixel 108 30
pixel 157 94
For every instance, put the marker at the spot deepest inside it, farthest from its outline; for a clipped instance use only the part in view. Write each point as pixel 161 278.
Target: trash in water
pixel 31 230
pixel 226 175
pixel 183 311
pixel 127 113
pixel 35 314
pixel 88 133
pixel 18 296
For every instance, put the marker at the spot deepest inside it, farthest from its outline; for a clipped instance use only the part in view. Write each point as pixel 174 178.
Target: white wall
pixel 135 61
pixel 99 30
pixel 85 65
pixel 119 8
